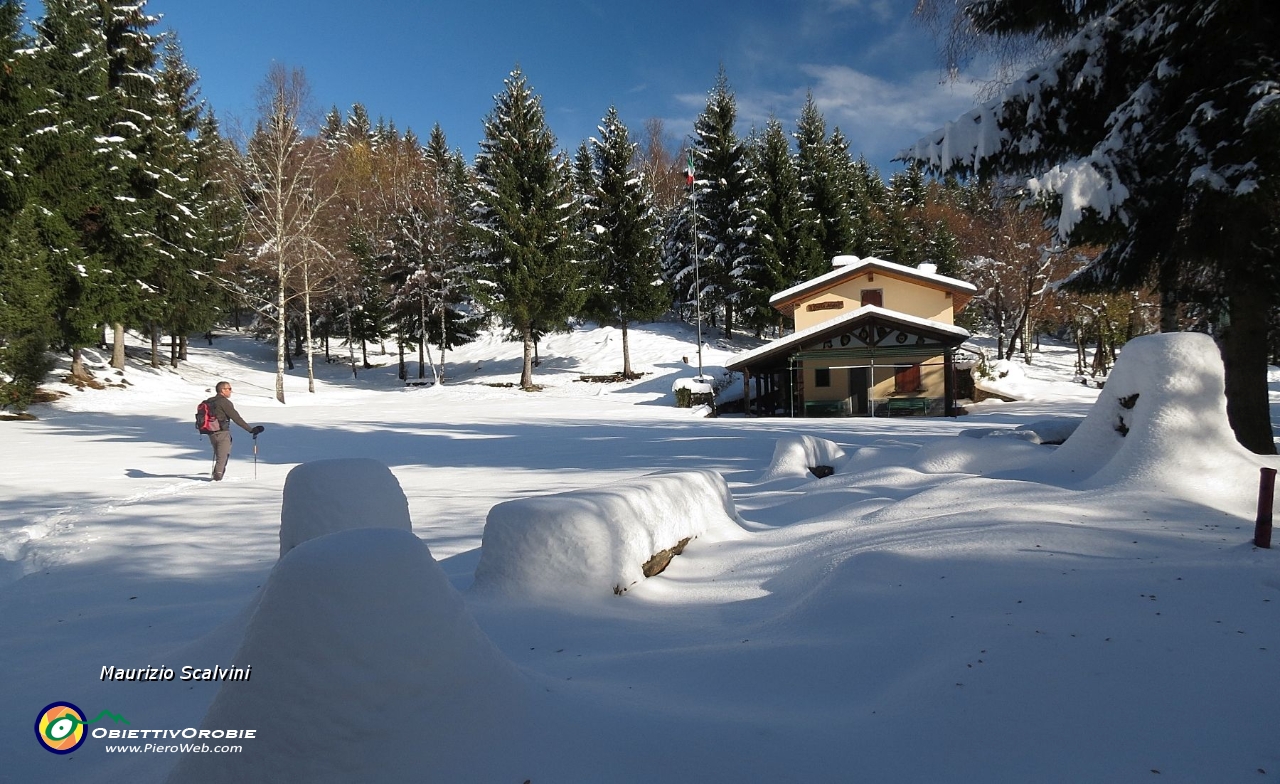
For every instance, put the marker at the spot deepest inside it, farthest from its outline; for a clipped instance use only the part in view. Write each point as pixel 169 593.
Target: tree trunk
pixel 173 350
pixel 280 344
pixel 422 330
pixel 1244 360
pixel 306 318
pixel 351 343
pixel 526 370
pixel 117 346
pixel 155 345
pixel 626 353
pixel 77 363
pixel 182 348
pixel 444 335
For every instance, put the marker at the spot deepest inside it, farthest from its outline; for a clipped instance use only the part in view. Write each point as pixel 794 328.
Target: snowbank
pixel 1160 424
pixel 1054 430
pixel 970 456
pixel 793 456
pixel 326 496
pixel 591 542
pixel 366 666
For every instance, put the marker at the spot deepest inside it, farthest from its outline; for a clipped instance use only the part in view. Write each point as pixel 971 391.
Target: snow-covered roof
pixel 840 324
pixel 871 263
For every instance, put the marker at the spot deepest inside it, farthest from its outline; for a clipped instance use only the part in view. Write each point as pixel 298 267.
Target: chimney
pixel 928 268
pixel 844 261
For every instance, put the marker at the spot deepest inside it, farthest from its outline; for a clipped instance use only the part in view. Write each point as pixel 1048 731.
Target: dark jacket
pixel 223 410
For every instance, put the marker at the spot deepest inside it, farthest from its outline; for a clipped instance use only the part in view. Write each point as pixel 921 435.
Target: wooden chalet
pixel 872 338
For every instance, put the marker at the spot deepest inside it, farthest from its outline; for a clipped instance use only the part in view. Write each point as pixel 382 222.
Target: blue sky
pixel 872 70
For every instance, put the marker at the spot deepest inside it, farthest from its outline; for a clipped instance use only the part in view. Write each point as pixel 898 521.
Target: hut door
pixel 859 382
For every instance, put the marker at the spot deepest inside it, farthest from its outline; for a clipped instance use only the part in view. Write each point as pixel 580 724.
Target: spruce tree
pixel 524 217
pixel 1150 130
pixel 822 162
pixel 722 190
pixel 70 182
pixel 626 268
pixel 785 245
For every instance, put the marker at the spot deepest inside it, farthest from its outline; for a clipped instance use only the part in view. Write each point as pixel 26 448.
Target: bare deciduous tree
pixel 289 187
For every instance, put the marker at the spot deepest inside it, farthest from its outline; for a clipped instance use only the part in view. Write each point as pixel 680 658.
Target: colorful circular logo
pixel 60 727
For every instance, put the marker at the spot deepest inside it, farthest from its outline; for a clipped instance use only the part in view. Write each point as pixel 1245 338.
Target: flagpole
pixel 697 275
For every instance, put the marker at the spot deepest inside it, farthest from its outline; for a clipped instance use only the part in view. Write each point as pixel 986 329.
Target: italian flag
pixel 688 169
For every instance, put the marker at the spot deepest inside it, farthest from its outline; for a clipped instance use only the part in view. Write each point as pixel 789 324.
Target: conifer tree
pixel 626 268
pixel 27 315
pixel 1151 130
pixel 822 161
pixel 524 216
pixel 69 178
pixel 722 192
pixel 784 243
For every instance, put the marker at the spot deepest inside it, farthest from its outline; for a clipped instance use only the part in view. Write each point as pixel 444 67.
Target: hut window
pixel 822 377
pixel 907 379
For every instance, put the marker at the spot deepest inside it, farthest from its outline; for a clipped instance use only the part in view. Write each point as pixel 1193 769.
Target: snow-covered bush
pixel 325 496
pixel 593 542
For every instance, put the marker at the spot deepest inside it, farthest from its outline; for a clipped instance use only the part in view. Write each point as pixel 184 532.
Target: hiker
pixel 225 412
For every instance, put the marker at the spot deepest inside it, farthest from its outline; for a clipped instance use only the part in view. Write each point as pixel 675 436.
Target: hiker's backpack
pixel 206 422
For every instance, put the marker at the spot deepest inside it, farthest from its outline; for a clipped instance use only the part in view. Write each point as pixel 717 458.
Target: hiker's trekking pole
pixel 255 455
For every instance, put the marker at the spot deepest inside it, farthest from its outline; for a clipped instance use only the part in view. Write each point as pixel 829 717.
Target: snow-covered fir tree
pixel 625 268
pixel 1149 130
pixel 826 193
pixel 785 246
pixel 722 211
pixel 524 216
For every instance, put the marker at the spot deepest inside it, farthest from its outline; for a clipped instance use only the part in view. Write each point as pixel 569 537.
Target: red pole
pixel 1266 495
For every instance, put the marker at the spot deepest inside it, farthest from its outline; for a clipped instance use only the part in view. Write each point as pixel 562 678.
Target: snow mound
pixel 969 456
pixel 326 496
pixel 698 385
pixel 1054 430
pixel 1160 424
pixel 591 542
pixel 366 667
pixel 793 456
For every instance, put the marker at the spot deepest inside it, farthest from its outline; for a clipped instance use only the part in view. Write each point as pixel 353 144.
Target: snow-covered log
pixel 592 542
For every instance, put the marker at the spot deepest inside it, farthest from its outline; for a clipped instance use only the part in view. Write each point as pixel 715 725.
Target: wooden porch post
pixel 746 391
pixel 948 383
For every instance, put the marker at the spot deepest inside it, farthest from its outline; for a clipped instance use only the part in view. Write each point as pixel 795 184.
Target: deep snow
pixel 904 619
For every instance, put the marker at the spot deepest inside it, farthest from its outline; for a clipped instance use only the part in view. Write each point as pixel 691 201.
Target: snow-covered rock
pixel 593 542
pixel 793 456
pixel 326 496
pixel 366 666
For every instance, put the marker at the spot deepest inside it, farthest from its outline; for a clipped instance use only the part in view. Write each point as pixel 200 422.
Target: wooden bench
pixel 907 406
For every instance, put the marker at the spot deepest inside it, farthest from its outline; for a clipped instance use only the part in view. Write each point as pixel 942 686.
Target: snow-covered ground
pixel 944 607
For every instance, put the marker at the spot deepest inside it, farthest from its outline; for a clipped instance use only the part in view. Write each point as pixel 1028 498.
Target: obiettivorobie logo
pixel 60 726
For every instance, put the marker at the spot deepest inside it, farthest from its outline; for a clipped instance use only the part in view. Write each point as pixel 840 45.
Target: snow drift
pixel 592 542
pixel 366 667
pixel 1160 424
pixel 793 456
pixel 326 496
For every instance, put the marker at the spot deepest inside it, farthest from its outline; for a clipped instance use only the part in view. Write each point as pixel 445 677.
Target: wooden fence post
pixel 1266 495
